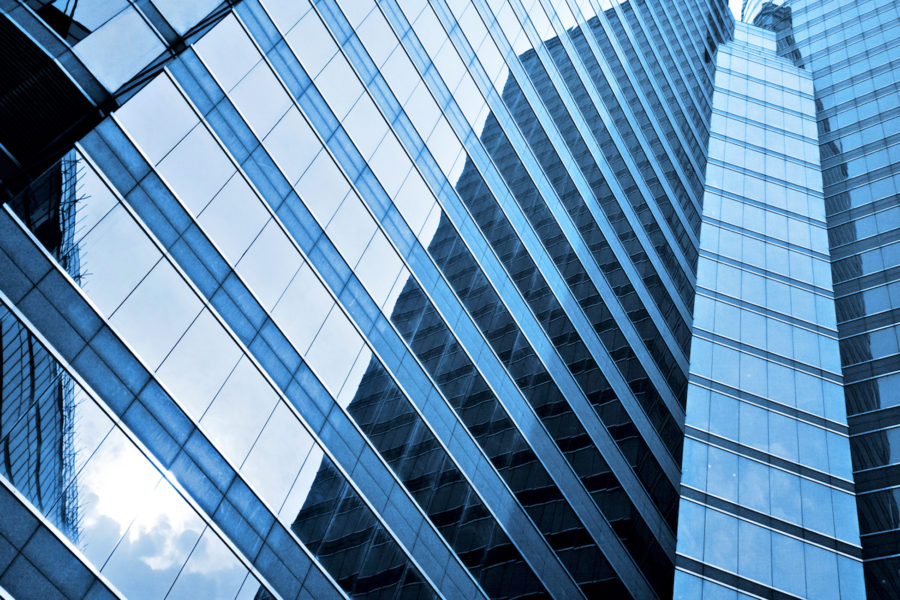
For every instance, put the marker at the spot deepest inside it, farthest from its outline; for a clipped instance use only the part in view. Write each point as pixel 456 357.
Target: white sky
pixel 735 6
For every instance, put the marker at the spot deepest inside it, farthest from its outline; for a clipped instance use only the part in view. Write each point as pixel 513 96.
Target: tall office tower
pixel 767 504
pixel 850 49
pixel 382 299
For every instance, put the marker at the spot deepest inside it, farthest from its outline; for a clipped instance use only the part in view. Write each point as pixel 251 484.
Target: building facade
pixel 408 299
pixel 850 50
pixel 372 299
pixel 767 504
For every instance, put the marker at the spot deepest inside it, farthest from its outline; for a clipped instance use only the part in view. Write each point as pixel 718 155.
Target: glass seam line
pixel 872 207
pixel 866 415
pixel 883 173
pixel 866 151
pixel 882 557
pixel 878 367
pixel 880 490
pixel 868 281
pixel 766 63
pixel 805 536
pixel 838 134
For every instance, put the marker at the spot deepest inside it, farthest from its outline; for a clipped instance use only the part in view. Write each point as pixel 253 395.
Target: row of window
pixel 779 492
pixel 226 196
pixel 749 184
pixel 112 502
pixel 233 402
pixel 765 556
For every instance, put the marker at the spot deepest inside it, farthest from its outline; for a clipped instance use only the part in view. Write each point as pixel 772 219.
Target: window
pixel 157 117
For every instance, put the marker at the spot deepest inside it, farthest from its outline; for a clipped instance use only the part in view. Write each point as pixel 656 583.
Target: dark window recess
pixel 43 112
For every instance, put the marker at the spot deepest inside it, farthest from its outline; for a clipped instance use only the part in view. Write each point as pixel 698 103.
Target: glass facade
pixel 416 299
pixel 767 481
pixel 851 52
pixel 364 299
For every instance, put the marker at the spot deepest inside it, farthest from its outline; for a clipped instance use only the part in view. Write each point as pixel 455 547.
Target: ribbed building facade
pixel 448 299
pixel 767 506
pixel 371 300
pixel 851 52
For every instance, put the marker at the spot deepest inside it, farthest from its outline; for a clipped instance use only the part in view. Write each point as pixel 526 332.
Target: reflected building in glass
pixel 37 411
pixel 409 299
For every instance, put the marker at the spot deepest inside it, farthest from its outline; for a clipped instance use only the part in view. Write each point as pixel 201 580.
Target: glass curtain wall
pixel 767 483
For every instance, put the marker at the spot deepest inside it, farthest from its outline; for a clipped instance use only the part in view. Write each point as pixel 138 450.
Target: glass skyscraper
pixel 767 488
pixel 458 299
pixel 851 52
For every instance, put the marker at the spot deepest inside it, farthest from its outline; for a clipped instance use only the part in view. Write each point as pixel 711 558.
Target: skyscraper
pixel 767 490
pixel 850 50
pixel 407 299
